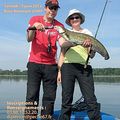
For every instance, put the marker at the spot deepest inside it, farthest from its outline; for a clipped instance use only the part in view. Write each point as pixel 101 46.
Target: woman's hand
pixel 87 43
pixel 59 77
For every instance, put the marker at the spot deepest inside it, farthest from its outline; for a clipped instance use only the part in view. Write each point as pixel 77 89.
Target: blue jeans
pixel 48 75
pixel 84 76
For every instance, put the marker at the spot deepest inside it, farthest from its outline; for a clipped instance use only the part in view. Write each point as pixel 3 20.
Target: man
pixel 42 62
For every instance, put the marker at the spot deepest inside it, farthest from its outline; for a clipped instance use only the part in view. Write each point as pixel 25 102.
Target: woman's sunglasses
pixel 76 17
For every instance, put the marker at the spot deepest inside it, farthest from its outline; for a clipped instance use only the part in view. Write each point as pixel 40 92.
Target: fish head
pixel 60 29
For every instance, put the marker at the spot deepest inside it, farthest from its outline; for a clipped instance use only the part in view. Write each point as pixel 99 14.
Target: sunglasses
pixel 76 17
pixel 53 8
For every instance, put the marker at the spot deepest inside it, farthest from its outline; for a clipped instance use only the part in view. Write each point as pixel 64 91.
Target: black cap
pixel 52 3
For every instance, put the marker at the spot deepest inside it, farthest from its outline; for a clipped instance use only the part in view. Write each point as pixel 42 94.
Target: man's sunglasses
pixel 76 17
pixel 53 8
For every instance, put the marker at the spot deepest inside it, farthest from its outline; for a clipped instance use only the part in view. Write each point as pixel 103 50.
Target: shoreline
pixel 93 75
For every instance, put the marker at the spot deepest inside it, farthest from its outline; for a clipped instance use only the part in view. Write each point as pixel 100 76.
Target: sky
pixel 15 14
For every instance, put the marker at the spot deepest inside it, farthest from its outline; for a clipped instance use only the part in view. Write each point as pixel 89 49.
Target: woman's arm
pixel 60 62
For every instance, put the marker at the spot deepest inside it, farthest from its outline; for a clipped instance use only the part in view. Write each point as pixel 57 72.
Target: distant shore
pixel 93 75
pixel 106 75
pixel 97 72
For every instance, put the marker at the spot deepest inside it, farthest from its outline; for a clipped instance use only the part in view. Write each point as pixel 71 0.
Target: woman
pixel 71 67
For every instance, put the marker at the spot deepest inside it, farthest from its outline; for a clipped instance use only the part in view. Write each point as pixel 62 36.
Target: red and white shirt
pixel 39 45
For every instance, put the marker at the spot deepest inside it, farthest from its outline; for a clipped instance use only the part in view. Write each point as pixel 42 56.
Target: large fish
pixel 78 38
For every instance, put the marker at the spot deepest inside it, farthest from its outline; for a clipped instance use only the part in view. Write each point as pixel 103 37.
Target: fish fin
pixel 92 54
pixel 67 36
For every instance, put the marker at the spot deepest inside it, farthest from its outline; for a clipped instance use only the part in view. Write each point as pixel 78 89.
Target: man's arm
pixel 65 44
pixel 31 33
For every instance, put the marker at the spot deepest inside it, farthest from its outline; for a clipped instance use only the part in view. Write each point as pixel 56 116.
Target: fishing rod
pixel 96 32
pixel 101 18
pixel 46 27
pixel 82 97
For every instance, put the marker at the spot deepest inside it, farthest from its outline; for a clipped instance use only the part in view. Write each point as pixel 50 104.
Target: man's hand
pixel 39 26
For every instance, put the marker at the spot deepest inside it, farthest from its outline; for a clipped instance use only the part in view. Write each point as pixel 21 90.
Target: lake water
pixel 107 90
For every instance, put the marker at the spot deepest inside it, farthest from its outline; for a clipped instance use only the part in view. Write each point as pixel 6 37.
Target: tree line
pixel 96 71
pixel 106 71
pixel 13 72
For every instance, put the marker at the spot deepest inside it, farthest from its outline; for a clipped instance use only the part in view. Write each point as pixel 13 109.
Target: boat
pixel 83 116
pixel 79 112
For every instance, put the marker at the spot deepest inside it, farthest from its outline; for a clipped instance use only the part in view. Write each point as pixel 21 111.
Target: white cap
pixel 74 11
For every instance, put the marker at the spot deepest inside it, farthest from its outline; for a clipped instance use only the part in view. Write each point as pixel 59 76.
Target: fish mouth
pixel 59 29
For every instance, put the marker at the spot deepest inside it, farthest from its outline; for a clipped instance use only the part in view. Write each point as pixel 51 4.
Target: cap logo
pixel 54 1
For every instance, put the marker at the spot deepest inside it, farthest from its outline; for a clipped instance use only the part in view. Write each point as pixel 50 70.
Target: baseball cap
pixel 52 3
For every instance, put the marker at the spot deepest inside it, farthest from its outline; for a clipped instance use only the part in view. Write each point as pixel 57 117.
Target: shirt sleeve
pixel 59 36
pixel 86 31
pixel 31 21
